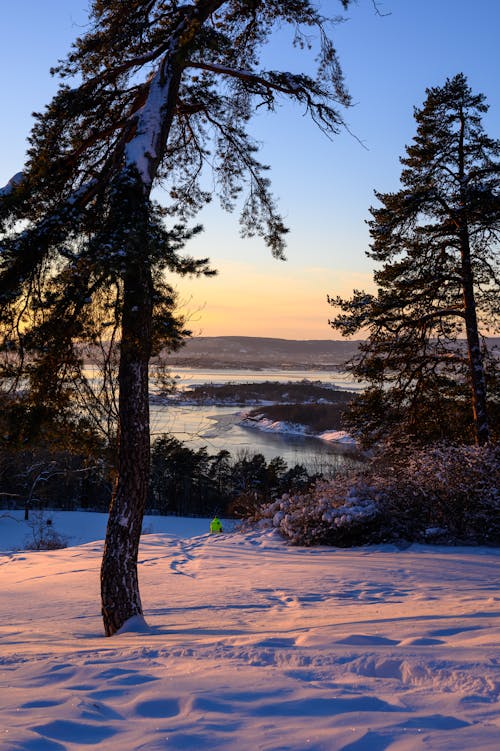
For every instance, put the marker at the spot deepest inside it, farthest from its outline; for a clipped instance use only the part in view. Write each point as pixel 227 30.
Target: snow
pixel 141 149
pixel 337 436
pixel 267 425
pixel 12 184
pixel 250 644
pixel 273 426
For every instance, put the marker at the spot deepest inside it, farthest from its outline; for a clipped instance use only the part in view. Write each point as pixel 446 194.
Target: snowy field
pixel 252 645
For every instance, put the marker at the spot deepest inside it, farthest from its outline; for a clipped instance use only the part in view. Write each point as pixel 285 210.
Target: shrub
pixel 438 494
pixel 442 493
pixel 325 516
pixel 44 536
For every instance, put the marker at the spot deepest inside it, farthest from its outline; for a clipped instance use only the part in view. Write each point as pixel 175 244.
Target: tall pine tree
pixel 436 240
pixel 163 89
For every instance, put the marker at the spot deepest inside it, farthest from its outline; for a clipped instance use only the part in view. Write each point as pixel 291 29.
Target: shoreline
pixel 307 408
pixel 283 427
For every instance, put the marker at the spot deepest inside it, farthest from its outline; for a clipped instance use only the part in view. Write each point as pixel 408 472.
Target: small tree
pixel 437 240
pixel 163 89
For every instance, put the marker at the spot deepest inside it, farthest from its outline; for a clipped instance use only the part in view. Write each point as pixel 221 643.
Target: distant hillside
pixel 263 352
pixel 258 352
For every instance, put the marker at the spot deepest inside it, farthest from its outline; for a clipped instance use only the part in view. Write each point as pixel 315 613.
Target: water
pixel 186 377
pixel 217 428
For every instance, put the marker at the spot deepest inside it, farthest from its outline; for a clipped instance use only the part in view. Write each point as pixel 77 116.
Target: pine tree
pixel 162 90
pixel 437 242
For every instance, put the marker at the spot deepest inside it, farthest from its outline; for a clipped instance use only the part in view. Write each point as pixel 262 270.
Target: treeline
pixel 38 478
pixel 183 481
pixel 302 392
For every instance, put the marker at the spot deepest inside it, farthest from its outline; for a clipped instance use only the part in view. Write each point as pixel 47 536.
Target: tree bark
pixel 476 367
pixel 119 578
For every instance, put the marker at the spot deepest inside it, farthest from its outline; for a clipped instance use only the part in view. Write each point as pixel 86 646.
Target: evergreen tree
pixel 437 242
pixel 162 89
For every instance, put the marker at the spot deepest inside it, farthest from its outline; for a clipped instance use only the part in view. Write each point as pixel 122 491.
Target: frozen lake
pixel 191 376
pixel 217 427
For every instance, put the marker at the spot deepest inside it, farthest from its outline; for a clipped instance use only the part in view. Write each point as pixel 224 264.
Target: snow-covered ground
pixel 267 425
pixel 252 645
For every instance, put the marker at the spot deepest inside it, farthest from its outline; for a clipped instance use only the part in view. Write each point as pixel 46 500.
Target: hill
pixel 264 352
pixel 258 352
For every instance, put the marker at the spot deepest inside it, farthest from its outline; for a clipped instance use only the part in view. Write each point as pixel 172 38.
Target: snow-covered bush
pixel 441 493
pixel 437 494
pixel 330 513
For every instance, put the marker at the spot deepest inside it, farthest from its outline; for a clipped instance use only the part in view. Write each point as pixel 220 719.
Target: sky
pixel 324 188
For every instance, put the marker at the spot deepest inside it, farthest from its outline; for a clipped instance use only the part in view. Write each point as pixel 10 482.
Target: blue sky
pixel 324 187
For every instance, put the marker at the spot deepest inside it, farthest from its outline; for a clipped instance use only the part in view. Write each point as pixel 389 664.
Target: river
pixel 217 428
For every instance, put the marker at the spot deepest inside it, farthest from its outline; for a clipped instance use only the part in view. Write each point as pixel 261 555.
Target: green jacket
pixel 215 525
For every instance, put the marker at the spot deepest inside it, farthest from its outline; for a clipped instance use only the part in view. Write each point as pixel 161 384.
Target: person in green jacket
pixel 215 525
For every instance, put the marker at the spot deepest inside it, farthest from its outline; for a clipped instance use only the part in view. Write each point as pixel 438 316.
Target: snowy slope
pixel 252 645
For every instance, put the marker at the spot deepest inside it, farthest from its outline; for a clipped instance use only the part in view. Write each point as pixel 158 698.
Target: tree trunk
pixel 119 579
pixel 476 367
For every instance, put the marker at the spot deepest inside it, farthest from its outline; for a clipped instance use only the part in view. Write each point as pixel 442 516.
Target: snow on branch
pixel 13 183
pixel 143 149
pixel 31 246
